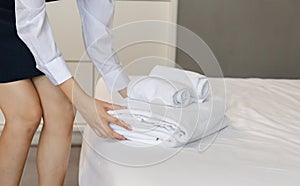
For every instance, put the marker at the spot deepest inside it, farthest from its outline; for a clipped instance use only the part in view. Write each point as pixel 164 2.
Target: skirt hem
pixel 19 78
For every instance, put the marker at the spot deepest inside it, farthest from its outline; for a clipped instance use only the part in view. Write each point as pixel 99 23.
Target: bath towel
pixel 194 81
pixel 170 126
pixel 160 91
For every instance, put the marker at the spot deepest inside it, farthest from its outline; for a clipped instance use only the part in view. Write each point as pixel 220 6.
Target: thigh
pixel 16 97
pixel 55 104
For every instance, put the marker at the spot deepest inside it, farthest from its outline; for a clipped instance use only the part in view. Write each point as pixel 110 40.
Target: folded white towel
pixel 170 126
pixel 195 81
pixel 160 91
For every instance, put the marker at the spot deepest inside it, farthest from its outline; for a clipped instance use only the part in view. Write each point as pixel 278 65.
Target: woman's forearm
pixel 34 28
pixel 73 91
pixel 93 111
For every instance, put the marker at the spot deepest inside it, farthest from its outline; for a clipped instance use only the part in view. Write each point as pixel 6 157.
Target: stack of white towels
pixel 170 107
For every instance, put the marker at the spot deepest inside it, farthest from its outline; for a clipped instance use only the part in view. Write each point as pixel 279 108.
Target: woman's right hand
pixel 93 111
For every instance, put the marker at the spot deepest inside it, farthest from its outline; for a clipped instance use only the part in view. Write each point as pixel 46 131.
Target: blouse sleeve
pixel 96 18
pixel 34 29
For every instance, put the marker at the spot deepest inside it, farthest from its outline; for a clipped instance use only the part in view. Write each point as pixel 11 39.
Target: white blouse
pixel 34 29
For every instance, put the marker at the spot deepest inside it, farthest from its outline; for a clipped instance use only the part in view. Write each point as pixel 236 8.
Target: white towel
pixel 160 91
pixel 195 81
pixel 170 126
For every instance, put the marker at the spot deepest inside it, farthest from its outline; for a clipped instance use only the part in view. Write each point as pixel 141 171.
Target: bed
pixel 261 146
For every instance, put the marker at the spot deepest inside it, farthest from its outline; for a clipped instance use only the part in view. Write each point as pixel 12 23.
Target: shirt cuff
pixel 57 71
pixel 116 80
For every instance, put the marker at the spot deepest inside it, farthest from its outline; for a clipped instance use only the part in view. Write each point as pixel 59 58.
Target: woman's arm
pixel 34 29
pixel 96 18
pixel 93 111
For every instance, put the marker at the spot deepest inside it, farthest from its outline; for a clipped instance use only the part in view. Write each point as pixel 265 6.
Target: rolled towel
pixel 160 91
pixel 198 83
pixel 170 126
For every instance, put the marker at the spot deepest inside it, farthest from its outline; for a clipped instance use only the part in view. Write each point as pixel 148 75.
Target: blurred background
pixel 257 38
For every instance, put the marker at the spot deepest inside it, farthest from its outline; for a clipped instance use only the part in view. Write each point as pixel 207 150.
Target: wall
pixel 250 38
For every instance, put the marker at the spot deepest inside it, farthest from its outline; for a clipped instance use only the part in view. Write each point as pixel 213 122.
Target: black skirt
pixel 16 60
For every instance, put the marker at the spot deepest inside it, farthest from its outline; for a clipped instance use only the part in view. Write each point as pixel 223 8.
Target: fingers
pixel 104 119
pixel 113 134
pixel 110 106
pixel 107 132
pixel 116 121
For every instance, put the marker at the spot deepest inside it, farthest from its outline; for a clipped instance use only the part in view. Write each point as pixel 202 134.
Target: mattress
pixel 261 146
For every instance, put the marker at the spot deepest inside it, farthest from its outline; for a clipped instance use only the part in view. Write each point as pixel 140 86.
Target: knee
pixel 66 114
pixel 32 114
pixel 27 118
pixel 69 118
pixel 59 120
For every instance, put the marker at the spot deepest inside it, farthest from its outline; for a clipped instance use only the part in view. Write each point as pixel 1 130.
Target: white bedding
pixel 260 148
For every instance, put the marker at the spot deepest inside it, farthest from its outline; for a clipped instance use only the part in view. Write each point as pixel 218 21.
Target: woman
pixel 28 94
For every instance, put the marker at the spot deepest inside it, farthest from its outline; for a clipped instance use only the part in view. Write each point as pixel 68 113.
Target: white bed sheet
pixel 261 147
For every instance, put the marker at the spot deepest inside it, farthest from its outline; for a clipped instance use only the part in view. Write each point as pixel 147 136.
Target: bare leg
pixel 21 107
pixel 55 140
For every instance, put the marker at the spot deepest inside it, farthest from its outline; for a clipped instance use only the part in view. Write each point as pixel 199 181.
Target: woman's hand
pixel 93 111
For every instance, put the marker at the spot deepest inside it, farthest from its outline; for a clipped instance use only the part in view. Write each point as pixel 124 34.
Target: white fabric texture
pixel 34 29
pixel 160 91
pixel 177 119
pixel 170 126
pixel 261 146
pixel 198 83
